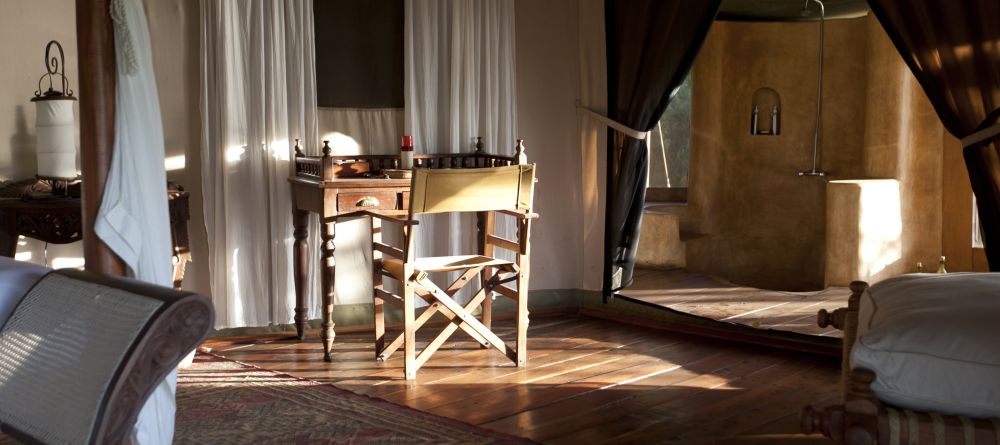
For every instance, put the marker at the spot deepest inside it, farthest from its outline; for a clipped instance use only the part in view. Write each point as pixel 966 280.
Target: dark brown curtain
pixel 953 49
pixel 651 45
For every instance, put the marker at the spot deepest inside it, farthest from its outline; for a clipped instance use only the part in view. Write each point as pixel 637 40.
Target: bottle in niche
pixel 753 120
pixel 406 153
pixel 920 267
pixel 941 268
pixel 774 120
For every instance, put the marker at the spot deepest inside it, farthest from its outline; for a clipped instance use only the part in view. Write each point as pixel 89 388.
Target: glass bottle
pixel 406 153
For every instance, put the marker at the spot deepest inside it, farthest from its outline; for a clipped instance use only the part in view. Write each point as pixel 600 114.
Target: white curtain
pixel 354 131
pixel 258 95
pixel 459 84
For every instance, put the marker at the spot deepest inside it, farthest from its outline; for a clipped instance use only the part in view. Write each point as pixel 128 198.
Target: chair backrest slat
pixel 472 189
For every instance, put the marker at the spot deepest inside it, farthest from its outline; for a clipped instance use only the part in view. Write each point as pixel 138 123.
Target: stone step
pixel 660 242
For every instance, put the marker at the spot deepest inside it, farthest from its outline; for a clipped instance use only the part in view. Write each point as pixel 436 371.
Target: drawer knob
pixel 368 201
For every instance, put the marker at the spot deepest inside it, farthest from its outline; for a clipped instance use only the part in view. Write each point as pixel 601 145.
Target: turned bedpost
pixel 845 319
pixel 96 48
pixel 326 165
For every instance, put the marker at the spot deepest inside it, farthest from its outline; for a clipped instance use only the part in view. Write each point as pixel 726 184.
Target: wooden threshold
pixel 703 305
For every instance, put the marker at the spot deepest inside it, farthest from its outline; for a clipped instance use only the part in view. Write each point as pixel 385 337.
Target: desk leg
pixel 300 221
pixel 327 273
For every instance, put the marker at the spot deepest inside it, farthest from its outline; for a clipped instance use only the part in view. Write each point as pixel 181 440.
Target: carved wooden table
pixel 332 185
pixel 57 220
pixel 330 199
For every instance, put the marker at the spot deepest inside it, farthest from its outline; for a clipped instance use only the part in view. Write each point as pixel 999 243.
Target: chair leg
pixel 524 265
pixel 409 333
pixel 379 310
pixel 487 315
pixel 522 321
pixel 378 302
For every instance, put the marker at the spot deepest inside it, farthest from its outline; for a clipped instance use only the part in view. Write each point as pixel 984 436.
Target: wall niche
pixel 765 112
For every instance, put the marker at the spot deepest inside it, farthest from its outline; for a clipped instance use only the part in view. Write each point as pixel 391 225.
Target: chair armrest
pixel 519 214
pixel 387 215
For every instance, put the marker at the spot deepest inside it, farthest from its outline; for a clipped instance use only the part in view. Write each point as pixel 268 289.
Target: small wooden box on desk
pixel 332 185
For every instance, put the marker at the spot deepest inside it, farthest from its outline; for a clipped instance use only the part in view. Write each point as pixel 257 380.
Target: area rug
pixel 221 402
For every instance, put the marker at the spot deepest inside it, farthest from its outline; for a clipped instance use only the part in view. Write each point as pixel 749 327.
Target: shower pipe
pixel 819 91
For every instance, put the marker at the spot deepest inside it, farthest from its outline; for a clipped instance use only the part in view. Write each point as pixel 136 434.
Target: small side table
pixel 27 208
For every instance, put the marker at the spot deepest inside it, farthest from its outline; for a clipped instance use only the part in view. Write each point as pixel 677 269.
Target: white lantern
pixel 55 125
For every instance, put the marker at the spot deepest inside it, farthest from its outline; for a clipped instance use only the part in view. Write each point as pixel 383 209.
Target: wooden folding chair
pixel 507 190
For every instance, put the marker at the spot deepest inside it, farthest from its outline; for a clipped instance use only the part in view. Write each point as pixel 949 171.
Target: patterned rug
pixel 225 402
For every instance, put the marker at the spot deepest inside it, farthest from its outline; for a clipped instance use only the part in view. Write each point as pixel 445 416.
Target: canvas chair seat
pixel 447 264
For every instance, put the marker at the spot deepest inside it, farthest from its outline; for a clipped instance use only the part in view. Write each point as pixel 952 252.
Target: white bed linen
pixel 933 342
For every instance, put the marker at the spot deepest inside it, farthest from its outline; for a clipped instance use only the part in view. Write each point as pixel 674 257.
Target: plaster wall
pixel 755 221
pixel 752 220
pixel 903 141
pixel 547 88
pixel 25 29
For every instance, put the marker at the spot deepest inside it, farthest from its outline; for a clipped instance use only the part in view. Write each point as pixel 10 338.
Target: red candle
pixel 407 142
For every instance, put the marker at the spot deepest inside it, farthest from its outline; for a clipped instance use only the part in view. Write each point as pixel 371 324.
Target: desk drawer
pixel 370 200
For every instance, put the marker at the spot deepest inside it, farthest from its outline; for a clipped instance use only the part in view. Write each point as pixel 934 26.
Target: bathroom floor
pixel 716 299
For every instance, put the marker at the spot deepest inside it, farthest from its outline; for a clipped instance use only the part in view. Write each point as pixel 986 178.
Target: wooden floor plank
pixel 717 299
pixel 587 381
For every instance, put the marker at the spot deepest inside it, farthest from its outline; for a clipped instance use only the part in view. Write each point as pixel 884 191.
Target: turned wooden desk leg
pixel 300 221
pixel 328 273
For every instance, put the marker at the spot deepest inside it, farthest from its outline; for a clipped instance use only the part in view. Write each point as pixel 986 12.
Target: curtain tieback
pixel 981 135
pixel 618 126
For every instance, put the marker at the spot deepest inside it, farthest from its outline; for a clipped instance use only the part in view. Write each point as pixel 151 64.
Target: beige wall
pixel 25 28
pixel 903 140
pixel 762 224
pixel 753 221
pixel 547 88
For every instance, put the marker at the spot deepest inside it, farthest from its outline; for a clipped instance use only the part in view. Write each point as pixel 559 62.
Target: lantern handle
pixel 53 67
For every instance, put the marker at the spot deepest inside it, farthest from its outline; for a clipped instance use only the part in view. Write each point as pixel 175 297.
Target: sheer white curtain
pixel 459 84
pixel 354 131
pixel 258 95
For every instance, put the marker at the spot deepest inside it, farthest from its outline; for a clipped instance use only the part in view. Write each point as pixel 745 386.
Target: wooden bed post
pixel 96 60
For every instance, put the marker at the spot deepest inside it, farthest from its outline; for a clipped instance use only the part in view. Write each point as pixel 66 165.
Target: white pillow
pixel 933 342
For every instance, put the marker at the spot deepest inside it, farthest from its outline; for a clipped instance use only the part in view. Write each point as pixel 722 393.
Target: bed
pixel 921 362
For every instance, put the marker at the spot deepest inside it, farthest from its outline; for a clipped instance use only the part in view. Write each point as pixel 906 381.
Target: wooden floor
pixel 719 300
pixel 587 381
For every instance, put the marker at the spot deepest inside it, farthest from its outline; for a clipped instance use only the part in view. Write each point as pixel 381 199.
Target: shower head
pixel 806 12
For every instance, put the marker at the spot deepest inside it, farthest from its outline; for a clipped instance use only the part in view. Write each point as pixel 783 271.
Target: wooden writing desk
pixel 332 185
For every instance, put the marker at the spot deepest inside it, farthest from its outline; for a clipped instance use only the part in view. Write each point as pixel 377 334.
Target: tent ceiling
pixel 788 10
